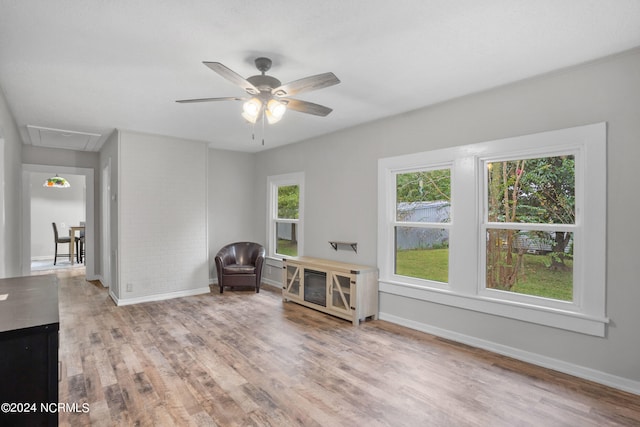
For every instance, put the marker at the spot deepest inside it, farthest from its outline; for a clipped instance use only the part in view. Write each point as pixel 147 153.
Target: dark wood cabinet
pixel 29 328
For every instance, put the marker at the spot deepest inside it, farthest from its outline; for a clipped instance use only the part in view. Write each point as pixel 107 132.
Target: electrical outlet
pixel 129 287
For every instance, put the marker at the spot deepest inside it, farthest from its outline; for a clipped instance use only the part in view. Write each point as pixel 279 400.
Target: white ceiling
pixel 73 69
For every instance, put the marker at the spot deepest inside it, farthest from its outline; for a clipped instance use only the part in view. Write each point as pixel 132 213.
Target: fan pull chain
pixel 264 118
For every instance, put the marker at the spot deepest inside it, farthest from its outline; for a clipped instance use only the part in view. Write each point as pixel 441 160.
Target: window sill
pixel 561 319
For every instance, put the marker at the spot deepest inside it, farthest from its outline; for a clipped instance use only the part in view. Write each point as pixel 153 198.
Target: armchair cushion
pixel 239 269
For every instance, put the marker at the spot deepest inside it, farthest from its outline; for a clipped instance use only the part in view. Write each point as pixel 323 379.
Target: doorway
pixel 66 207
pixel 30 179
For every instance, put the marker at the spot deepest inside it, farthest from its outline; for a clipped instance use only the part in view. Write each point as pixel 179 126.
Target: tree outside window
pixel 530 213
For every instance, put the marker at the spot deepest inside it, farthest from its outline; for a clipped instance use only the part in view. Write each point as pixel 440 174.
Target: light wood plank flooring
pixel 247 359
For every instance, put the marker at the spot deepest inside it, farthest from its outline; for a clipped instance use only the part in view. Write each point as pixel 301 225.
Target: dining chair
pixel 80 250
pixel 61 240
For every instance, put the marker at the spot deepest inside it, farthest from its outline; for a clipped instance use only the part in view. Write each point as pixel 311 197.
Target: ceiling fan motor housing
pixel 264 83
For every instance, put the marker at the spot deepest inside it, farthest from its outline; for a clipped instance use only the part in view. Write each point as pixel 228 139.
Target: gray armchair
pixel 240 264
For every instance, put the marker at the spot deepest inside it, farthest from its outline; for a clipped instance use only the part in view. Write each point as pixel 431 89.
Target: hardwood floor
pixel 247 359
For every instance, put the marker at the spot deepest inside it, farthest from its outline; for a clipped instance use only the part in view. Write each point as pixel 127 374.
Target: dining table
pixel 72 240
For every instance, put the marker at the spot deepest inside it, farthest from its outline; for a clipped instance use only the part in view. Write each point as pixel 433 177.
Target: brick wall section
pixel 162 215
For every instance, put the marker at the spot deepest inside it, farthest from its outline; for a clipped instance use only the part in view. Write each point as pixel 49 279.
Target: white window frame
pixel 273 183
pixel 467 243
pixel 428 225
pixel 577 230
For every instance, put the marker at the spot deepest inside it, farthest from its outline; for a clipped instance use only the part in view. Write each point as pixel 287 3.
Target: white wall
pixel 64 206
pixel 341 197
pixel 10 204
pixel 231 203
pixel 162 218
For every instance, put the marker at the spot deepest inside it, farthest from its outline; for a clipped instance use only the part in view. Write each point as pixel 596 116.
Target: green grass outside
pixel 538 280
pixel 287 247
pixel 430 264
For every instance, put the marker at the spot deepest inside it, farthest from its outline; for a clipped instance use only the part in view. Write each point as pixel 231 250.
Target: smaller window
pixel 285 219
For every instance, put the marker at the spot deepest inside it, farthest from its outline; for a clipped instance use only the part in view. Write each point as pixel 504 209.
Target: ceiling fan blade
pixel 228 98
pixel 306 84
pixel 233 77
pixel 307 107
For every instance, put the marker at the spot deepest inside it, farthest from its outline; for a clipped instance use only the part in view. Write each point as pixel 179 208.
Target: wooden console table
pixel 344 290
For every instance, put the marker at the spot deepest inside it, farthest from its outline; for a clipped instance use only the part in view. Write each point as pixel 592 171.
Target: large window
pixel 529 222
pixel 285 209
pixel 423 218
pixel 512 227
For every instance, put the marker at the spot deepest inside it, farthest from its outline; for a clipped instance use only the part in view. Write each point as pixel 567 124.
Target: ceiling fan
pixel 268 97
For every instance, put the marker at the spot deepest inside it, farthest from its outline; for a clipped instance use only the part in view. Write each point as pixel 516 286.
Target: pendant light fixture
pixel 56 182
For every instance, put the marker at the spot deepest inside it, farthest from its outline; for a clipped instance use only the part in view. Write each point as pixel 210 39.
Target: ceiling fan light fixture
pixel 271 118
pixel 251 119
pixel 276 108
pixel 252 107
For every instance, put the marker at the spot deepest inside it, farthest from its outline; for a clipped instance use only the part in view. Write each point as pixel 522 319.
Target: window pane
pixel 424 196
pixel 531 262
pixel 288 201
pixel 422 253
pixel 540 191
pixel 286 239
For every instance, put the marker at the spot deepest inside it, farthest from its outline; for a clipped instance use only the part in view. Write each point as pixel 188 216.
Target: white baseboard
pixel 158 297
pixel 600 377
pixel 96 277
pixel 113 296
